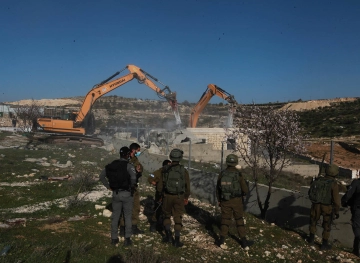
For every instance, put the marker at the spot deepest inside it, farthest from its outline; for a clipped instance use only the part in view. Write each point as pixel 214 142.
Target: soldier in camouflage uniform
pixel 134 153
pixel 153 179
pixel 232 204
pixel 325 210
pixel 174 202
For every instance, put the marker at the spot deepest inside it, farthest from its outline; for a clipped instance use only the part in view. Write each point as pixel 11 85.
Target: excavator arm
pixel 75 126
pixel 211 91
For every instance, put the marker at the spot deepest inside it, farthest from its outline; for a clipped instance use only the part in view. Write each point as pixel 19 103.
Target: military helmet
pixel 124 151
pixel 332 170
pixel 176 155
pixel 232 160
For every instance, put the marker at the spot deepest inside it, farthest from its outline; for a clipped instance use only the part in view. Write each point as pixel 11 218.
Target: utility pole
pixel 332 152
pixel 189 156
pixel 222 155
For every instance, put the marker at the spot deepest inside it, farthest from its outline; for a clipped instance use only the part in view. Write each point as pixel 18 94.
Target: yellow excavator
pixel 211 91
pixel 82 122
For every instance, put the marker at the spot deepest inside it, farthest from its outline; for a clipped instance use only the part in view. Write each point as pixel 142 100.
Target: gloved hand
pixel 186 201
pixel 337 216
pixel 219 203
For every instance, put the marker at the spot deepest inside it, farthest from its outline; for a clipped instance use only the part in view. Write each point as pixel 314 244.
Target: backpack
pixel 118 176
pixel 320 191
pixel 229 185
pixel 174 179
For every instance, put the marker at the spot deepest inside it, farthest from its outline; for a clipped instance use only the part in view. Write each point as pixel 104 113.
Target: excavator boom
pixel 211 91
pixel 76 126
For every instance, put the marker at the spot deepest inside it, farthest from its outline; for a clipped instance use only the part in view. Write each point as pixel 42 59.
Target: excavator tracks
pixel 74 139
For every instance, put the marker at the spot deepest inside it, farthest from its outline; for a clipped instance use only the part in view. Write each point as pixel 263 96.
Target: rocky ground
pixel 47 227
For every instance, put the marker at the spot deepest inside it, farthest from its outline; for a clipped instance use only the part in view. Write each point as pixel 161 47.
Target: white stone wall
pixel 215 136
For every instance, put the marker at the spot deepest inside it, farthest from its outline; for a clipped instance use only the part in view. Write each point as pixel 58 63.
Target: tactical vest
pixel 174 179
pixel 118 176
pixel 320 191
pixel 230 185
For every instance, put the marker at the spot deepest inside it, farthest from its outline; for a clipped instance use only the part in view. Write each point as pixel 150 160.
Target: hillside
pixel 66 220
pixel 315 104
pixel 323 120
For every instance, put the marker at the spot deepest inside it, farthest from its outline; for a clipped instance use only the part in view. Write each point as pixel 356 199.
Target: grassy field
pixel 72 230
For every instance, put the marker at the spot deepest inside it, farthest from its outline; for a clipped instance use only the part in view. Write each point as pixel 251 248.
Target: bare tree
pixel 265 139
pixel 27 114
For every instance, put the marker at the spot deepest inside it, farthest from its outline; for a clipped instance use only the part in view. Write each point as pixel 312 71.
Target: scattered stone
pixel 68 164
pixel 75 218
pixel 99 207
pixel 267 253
pixel 89 163
pixel 280 256
pixel 224 246
pixel 99 223
pixel 107 213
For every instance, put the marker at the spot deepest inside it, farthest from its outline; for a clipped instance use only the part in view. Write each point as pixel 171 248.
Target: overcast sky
pixel 261 51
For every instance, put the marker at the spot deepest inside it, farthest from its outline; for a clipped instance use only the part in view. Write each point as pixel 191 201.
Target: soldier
pixel 230 188
pixel 156 222
pixel 134 153
pixel 324 195
pixel 352 199
pixel 120 177
pixel 175 187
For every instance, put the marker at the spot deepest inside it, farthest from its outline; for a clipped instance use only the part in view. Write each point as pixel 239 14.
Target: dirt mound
pixel 342 156
pixel 48 102
pixel 314 104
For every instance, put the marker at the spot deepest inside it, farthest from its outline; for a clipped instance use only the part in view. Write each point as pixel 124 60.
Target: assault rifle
pixel 321 165
pixel 159 204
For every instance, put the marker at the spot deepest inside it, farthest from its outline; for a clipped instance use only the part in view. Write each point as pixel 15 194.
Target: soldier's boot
pixel 122 231
pixel 168 237
pixel 127 242
pixel 136 230
pixel 177 242
pixel 356 246
pixel 311 239
pixel 114 241
pixel 325 245
pixel 246 243
pixel 153 227
pixel 220 241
